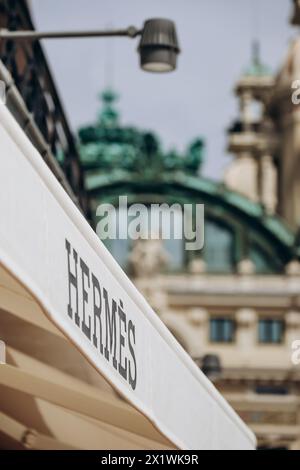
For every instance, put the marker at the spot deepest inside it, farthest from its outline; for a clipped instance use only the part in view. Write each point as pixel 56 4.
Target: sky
pixel 197 99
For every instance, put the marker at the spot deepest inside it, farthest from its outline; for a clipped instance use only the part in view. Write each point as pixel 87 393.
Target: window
pixel 270 331
pixel 119 248
pixel 172 243
pixel 218 248
pixel 222 330
pixel 271 390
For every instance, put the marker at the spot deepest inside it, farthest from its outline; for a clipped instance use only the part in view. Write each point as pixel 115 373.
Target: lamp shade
pixel 158 46
pixel 211 366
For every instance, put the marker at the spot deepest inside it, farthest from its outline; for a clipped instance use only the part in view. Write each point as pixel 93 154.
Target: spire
pixel 108 116
pixel 256 52
pixel 257 68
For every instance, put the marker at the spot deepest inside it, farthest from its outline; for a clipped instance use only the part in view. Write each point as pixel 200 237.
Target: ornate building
pixel 235 308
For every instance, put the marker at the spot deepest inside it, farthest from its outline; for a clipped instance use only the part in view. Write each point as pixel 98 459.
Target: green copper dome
pixel 108 145
pixel 123 160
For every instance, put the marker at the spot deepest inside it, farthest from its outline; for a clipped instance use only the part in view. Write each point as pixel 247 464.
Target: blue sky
pixel 195 100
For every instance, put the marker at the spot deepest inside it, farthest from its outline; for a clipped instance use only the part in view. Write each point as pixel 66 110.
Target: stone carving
pixel 197 266
pixel 246 267
pixel 147 258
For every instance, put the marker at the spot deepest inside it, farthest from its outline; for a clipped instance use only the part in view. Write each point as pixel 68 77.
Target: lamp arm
pixel 130 32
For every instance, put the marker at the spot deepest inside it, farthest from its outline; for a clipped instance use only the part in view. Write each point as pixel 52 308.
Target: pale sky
pixel 196 100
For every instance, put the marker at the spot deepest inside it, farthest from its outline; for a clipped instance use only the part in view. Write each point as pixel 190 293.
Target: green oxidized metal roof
pixel 107 145
pixel 188 187
pixel 108 116
pixel 125 160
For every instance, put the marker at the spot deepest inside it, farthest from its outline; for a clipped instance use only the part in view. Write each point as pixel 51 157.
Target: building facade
pixel 235 307
pixel 51 395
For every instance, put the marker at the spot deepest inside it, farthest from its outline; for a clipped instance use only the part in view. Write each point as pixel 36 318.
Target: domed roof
pixel 108 145
pixel 119 160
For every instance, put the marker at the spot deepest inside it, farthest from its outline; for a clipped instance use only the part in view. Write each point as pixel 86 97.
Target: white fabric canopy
pixel 48 247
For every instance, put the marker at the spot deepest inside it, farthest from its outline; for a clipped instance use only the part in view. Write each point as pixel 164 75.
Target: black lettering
pixel 85 273
pixel 72 281
pixel 97 312
pixel 111 333
pixel 131 329
pixel 122 318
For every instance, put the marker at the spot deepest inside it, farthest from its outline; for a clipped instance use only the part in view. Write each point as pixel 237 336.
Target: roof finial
pixel 256 52
pixel 108 116
pixel 257 68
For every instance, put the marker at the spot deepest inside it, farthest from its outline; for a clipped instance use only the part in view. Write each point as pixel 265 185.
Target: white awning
pixel 57 275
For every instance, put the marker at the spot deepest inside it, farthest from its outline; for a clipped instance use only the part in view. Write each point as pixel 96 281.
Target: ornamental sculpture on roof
pixel 107 145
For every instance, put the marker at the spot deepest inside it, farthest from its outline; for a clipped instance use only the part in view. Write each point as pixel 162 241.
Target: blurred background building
pixel 235 306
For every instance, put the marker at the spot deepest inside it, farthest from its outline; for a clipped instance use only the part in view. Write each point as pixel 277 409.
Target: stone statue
pixel 147 258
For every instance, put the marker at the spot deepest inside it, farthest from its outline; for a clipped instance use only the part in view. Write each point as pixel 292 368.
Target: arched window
pixel 218 252
pixel 119 247
pixel 172 241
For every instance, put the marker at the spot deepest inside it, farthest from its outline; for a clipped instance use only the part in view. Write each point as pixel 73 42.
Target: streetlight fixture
pixel 210 365
pixel 158 47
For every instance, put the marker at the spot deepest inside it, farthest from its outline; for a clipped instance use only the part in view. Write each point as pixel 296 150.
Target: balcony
pixel 251 138
pixel 276 416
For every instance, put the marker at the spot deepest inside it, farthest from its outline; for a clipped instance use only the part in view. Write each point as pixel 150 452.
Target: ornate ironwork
pixel 26 62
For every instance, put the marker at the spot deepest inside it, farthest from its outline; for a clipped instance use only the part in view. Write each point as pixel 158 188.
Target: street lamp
pixel 210 365
pixel 158 47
